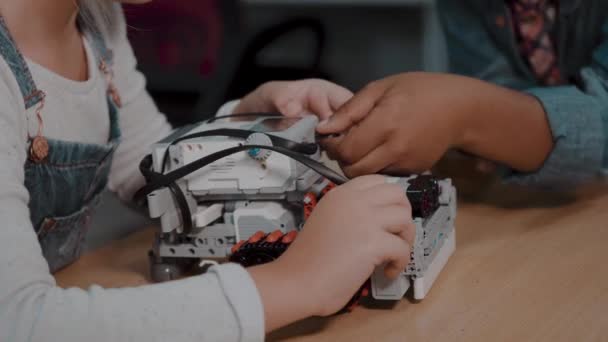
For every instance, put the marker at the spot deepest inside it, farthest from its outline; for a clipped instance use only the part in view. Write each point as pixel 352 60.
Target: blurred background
pixel 197 54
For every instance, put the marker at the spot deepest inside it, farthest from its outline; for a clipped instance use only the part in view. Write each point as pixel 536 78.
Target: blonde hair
pixel 97 15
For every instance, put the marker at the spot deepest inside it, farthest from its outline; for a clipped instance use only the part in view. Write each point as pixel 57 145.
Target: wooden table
pixel 535 271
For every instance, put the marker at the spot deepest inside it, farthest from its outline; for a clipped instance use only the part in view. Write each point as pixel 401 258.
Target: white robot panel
pixel 256 171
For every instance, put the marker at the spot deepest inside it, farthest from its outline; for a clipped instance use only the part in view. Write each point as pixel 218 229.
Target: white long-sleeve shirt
pixel 222 305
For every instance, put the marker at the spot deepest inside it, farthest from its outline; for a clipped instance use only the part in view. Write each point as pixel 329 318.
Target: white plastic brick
pixel 159 202
pixel 386 289
pixel 423 285
pixel 206 215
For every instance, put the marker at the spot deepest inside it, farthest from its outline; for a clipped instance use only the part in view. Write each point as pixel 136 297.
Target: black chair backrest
pixel 251 73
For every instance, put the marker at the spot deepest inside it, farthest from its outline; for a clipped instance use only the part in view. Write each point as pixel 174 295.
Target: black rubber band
pixel 184 208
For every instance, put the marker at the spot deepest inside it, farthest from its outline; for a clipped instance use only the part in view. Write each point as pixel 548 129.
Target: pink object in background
pixel 533 22
pixel 177 36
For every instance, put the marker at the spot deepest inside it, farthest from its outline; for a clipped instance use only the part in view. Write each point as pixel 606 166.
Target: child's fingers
pixel 485 166
pixel 360 140
pixel 386 194
pixel 366 182
pixel 338 96
pixel 292 109
pixel 396 220
pixel 353 111
pixel 331 145
pixel 318 103
pixel 374 162
pixel 410 232
pixel 396 255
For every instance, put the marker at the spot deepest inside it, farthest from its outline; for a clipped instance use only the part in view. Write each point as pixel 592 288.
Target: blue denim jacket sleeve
pixel 578 116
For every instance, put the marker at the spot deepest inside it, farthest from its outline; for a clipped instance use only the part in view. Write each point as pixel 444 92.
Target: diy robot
pixel 240 189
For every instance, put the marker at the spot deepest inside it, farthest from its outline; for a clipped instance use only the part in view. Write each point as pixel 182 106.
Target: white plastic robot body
pixel 235 197
pixel 238 173
pixel 241 173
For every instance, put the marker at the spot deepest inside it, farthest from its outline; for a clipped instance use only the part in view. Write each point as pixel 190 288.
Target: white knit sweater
pixel 223 305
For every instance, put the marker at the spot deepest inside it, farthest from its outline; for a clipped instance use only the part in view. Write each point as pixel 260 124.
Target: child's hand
pixel 357 227
pixel 404 123
pixel 295 98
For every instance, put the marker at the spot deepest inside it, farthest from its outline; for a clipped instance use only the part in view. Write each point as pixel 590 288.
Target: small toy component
pixel 310 202
pixel 241 190
pixel 261 248
pixel 423 194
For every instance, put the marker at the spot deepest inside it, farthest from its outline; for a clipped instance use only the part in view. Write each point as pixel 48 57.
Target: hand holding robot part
pixel 405 123
pixel 357 227
pixel 399 125
pixel 296 98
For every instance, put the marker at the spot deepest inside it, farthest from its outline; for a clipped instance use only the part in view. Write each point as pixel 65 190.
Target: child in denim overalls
pixel 529 91
pixel 75 117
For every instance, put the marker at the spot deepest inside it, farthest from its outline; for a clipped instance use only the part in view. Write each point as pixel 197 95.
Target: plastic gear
pixel 259 139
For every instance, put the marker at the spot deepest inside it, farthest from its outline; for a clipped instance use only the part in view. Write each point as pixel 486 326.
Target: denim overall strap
pixel 102 52
pixel 18 66
pixel 105 61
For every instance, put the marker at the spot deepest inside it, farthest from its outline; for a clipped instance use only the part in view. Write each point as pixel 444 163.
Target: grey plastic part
pixel 212 242
pixel 163 269
pixel 386 289
pixel 161 272
pixel 434 232
pixel 447 191
pixel 161 205
pixel 431 236
pixel 250 224
pixel 308 180
pixel 159 202
pixel 422 285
